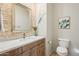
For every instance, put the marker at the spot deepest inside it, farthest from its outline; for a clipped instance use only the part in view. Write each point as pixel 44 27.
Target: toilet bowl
pixel 62 49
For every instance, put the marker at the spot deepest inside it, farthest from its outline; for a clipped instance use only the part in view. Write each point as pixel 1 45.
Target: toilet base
pixel 62 54
pixel 62 51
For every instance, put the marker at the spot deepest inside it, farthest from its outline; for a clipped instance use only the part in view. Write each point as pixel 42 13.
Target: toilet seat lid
pixel 62 49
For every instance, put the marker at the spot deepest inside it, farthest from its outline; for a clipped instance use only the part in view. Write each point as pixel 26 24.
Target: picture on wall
pixel 64 22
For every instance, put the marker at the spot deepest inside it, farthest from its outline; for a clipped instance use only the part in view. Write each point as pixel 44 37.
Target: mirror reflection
pixel 22 21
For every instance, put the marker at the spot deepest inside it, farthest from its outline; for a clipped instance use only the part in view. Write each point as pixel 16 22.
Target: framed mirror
pixel 22 21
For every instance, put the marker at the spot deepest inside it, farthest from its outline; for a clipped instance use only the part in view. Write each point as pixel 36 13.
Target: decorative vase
pixel 35 29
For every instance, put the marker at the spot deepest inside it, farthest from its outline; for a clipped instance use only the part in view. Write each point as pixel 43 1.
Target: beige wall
pixel 72 10
pixel 41 9
pixel 7 21
pixel 51 29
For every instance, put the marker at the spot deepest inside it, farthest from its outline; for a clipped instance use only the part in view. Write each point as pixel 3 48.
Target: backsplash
pixel 7 21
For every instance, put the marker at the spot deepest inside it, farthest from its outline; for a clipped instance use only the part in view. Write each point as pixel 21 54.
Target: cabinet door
pixel 26 53
pixel 35 51
pixel 42 49
pixel 38 50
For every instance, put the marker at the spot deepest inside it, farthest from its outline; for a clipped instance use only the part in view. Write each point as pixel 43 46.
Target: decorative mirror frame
pixel 1 21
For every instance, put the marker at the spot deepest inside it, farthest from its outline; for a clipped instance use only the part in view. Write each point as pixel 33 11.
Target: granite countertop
pixel 11 44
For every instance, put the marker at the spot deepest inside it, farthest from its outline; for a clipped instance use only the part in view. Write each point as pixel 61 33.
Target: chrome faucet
pixel 24 35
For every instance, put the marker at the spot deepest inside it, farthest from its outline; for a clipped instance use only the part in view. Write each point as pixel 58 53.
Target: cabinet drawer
pixel 39 42
pixel 27 47
pixel 13 52
pixel 26 53
pixel 42 45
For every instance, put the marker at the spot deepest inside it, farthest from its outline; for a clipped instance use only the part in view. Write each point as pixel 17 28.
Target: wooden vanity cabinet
pixel 36 48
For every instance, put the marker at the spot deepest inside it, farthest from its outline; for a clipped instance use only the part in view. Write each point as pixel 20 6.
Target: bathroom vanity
pixel 34 46
pixel 22 21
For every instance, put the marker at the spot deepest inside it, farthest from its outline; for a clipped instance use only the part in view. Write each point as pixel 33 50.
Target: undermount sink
pixel 30 37
pixel 33 37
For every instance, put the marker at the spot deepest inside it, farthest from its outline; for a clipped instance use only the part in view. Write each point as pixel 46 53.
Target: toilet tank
pixel 64 43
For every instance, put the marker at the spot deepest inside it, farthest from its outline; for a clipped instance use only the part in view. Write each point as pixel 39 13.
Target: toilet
pixel 62 49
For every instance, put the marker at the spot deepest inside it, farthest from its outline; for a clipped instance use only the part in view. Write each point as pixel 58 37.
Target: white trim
pixel 2 25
